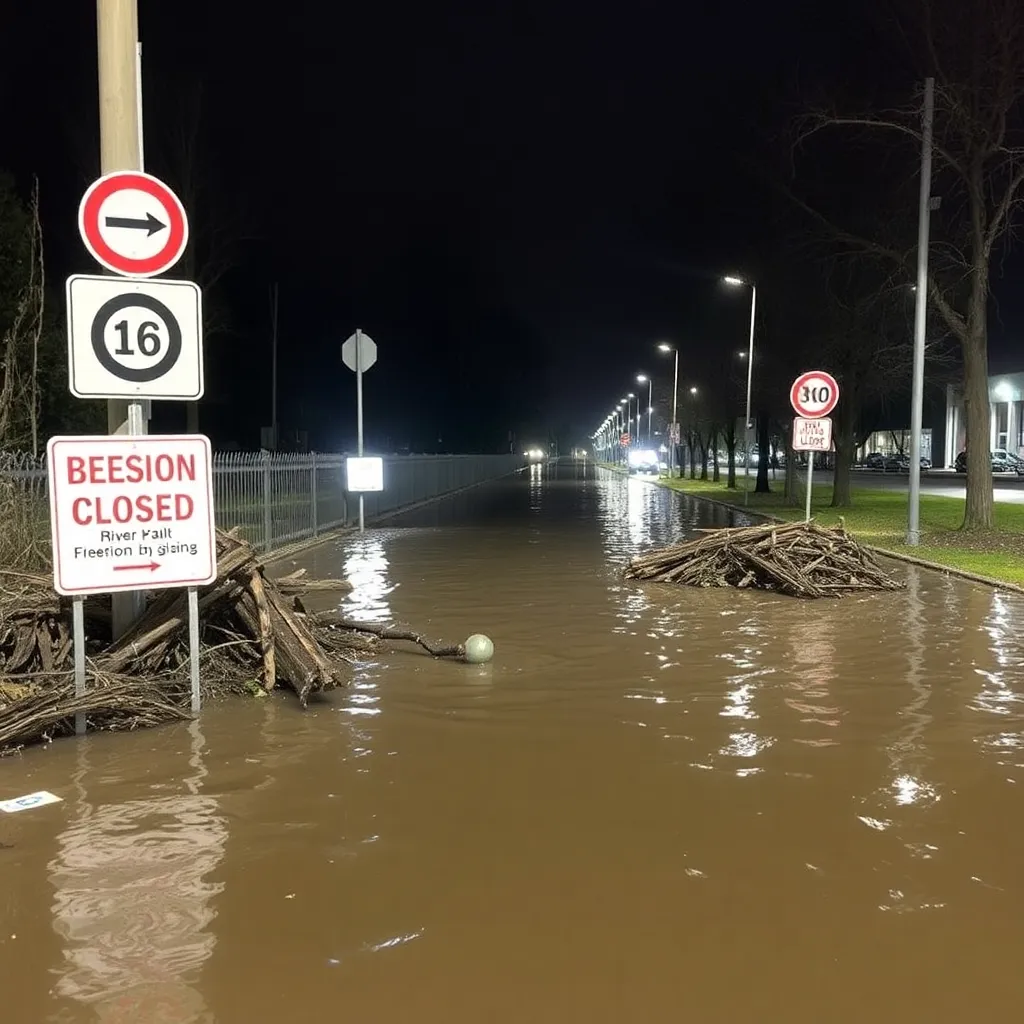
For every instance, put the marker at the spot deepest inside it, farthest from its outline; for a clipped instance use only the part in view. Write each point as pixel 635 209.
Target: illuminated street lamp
pixel 642 378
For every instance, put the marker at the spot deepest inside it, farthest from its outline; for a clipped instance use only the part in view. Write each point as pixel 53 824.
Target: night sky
pixel 515 201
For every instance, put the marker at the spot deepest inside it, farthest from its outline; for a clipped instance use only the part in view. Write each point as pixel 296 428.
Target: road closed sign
pixel 131 513
pixel 812 435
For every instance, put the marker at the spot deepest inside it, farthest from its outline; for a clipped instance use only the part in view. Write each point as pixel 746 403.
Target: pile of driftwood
pixel 256 635
pixel 799 559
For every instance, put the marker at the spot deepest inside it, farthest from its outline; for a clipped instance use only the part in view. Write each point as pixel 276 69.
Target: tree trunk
pixel 703 441
pixel 730 444
pixel 845 444
pixel 978 507
pixel 764 450
pixel 715 473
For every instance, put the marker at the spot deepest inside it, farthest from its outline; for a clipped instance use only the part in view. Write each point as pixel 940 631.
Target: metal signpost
pixel 359 353
pixel 813 395
pixel 131 513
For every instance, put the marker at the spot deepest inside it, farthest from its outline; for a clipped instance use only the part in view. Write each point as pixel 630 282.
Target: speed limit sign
pixel 814 394
pixel 134 339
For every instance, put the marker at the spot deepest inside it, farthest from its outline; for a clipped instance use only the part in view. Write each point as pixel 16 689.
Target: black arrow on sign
pixel 151 225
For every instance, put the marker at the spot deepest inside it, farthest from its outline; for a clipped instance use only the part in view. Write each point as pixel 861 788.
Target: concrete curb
pixel 948 569
pixel 895 556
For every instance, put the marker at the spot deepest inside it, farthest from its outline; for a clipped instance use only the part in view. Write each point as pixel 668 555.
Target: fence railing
pixel 277 499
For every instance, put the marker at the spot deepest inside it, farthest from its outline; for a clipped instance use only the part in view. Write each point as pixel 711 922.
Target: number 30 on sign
pixel 814 394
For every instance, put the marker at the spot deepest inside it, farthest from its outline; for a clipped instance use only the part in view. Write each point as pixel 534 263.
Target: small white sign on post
pixel 813 395
pixel 359 353
pixel 131 513
pixel 364 474
pixel 812 435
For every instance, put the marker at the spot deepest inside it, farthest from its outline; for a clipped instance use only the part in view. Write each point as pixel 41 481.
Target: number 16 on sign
pixel 813 396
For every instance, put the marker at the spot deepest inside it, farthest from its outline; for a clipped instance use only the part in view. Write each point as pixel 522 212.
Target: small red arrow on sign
pixel 151 566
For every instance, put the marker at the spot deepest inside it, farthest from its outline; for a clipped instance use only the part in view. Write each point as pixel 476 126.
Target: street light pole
pixel 920 318
pixel 738 282
pixel 750 388
pixel 673 440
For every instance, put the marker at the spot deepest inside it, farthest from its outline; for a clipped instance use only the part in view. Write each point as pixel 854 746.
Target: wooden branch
pixel 438 649
pixel 820 120
pixel 1002 211
pixel 266 631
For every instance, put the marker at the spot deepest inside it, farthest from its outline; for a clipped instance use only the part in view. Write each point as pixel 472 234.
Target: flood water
pixel 656 804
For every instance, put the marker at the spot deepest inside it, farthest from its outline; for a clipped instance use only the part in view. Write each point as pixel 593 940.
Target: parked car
pixel 876 460
pixel 1002 462
pixel 1012 463
pixel 897 464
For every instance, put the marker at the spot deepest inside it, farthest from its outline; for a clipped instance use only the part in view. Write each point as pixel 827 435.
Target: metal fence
pixel 277 499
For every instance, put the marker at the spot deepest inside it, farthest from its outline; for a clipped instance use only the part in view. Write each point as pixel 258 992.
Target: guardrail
pixel 276 499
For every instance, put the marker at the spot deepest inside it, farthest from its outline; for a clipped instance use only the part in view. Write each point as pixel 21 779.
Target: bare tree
pixel 19 345
pixel 973 50
pixel 865 340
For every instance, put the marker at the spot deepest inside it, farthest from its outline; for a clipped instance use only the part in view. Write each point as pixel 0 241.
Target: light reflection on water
pixel 365 566
pixel 132 899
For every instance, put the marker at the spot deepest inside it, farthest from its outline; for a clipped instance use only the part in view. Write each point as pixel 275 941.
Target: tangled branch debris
pixel 798 559
pixel 437 648
pixel 253 638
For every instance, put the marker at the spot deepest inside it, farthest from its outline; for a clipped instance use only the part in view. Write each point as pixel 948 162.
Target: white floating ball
pixel 479 649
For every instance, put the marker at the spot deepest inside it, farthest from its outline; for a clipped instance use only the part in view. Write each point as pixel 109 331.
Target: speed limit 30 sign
pixel 814 394
pixel 135 339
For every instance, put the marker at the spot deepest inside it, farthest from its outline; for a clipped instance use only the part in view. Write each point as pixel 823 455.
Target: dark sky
pixel 516 201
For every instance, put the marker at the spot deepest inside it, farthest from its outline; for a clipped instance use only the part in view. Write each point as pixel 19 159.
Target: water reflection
pixel 997 695
pixel 131 903
pixel 813 670
pixel 366 568
pixel 908 753
pixel 536 487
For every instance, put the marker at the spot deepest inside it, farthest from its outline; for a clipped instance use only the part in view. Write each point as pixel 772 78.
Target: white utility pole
pixel 750 389
pixel 920 316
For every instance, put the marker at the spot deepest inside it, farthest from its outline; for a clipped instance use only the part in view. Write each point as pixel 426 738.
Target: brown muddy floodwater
pixel 655 805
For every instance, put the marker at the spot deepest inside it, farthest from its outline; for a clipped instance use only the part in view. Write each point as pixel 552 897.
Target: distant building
pixel 1006 416
pixel 894 442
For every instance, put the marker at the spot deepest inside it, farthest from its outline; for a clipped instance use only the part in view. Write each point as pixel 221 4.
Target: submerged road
pixel 655 804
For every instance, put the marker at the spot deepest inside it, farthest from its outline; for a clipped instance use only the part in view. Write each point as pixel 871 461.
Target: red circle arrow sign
pixel 814 394
pixel 133 224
